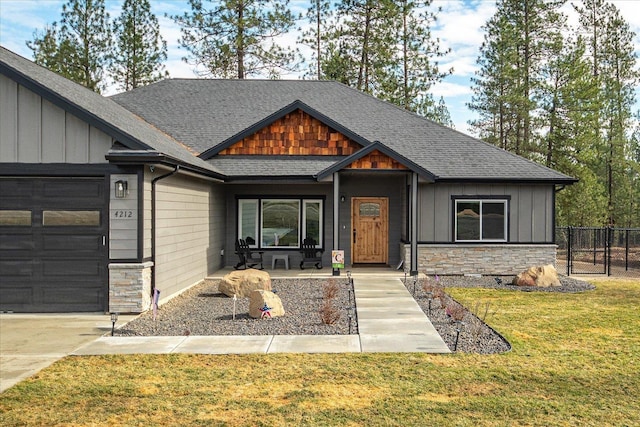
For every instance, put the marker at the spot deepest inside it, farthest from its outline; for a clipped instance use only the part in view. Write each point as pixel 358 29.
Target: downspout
pixel 153 226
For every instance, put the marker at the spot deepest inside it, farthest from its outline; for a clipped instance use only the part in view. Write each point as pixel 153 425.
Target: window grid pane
pixel 15 218
pixel 481 220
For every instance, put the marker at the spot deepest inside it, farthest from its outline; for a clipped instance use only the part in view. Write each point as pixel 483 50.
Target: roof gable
pixel 377 156
pixel 296 129
pixel 136 135
pixel 295 134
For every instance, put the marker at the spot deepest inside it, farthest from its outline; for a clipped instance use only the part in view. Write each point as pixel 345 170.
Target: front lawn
pixel 575 361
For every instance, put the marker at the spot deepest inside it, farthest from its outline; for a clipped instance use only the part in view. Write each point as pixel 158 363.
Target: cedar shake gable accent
pixel 295 134
pixel 377 156
pixel 296 129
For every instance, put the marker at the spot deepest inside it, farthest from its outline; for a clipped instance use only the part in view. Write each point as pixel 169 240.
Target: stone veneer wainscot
pixel 130 287
pixel 486 259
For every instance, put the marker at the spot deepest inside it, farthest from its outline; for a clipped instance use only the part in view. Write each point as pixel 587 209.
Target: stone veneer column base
pixel 130 287
pixel 486 259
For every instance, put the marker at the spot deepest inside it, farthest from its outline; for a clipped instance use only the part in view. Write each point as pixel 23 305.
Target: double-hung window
pixel 280 222
pixel 483 220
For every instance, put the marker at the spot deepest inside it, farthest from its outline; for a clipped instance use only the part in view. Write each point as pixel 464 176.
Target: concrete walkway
pixel 389 320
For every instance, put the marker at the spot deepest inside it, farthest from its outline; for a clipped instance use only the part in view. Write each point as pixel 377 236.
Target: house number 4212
pixel 123 214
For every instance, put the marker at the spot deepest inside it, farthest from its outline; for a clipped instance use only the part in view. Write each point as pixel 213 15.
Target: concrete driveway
pixel 31 342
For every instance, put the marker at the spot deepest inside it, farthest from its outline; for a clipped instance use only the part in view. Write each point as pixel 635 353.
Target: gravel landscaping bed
pixel 202 310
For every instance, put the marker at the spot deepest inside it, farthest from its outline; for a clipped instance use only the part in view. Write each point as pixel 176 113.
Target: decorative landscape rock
pixel 243 282
pixel 541 276
pixel 259 299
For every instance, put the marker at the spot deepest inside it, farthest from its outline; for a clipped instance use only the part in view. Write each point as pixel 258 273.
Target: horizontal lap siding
pixel 531 210
pixel 189 232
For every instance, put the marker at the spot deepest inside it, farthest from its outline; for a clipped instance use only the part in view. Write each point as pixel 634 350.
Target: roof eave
pixel 155 157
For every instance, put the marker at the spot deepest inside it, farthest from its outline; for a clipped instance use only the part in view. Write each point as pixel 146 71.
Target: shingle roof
pixel 101 112
pixel 202 113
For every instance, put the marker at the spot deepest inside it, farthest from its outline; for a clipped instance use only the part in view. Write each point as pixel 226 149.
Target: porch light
pixel 122 188
pixel 114 319
pixel 342 198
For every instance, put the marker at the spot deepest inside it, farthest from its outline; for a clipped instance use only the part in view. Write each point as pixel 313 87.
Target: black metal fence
pixel 593 250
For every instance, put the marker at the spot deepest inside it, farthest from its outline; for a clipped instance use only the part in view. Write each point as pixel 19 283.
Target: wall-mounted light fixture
pixel 342 198
pixel 122 189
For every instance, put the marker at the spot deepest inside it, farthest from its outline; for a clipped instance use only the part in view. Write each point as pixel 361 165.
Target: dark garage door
pixel 53 256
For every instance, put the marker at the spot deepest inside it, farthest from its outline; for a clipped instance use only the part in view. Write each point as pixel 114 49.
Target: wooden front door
pixel 370 237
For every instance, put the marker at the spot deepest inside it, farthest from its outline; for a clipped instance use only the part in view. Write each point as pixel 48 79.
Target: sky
pixel 458 27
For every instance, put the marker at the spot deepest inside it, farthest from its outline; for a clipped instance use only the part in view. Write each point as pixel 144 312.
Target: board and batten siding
pixel 33 130
pixel 123 219
pixel 189 231
pixel 531 210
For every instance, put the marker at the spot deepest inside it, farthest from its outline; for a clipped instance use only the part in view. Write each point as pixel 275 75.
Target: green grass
pixel 575 361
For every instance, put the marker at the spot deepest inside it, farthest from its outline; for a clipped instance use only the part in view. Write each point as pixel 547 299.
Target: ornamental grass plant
pixel 575 362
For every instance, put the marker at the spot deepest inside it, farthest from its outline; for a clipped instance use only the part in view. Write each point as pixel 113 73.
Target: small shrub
pixel 328 313
pixel 456 311
pixel 330 290
pixel 480 313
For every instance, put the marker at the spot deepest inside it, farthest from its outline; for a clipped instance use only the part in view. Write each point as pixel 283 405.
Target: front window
pixel 279 223
pixel 481 220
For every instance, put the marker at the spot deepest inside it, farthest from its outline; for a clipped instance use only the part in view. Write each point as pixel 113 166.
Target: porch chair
pixel 310 254
pixel 248 258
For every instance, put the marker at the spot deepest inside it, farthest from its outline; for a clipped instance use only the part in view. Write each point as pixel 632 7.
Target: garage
pixel 53 248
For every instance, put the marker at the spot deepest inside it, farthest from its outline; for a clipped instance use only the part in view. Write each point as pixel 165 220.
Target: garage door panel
pixel 88 192
pixel 70 242
pixel 71 295
pixel 17 242
pixel 16 189
pixel 17 295
pixel 71 269
pixel 16 268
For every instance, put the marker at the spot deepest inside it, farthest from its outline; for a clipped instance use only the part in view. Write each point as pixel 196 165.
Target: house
pixel 104 199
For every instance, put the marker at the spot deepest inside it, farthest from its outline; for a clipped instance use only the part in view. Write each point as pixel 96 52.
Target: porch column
pixel 414 224
pixel 336 216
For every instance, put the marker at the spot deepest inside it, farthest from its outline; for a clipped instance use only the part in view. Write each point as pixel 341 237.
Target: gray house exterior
pixel 103 200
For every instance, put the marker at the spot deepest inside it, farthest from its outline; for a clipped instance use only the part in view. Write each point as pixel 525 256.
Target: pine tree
pixel 81 49
pixel 319 16
pixel 517 41
pixel 613 65
pixel 415 61
pixel 140 50
pixel 235 38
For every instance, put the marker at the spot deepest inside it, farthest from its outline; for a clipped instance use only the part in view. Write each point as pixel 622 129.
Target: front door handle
pixel 354 235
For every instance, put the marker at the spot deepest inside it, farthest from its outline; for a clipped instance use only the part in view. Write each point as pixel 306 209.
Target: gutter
pixel 153 227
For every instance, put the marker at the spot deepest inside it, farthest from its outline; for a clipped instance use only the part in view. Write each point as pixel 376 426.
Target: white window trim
pixel 505 203
pixel 320 219
pixel 241 203
pixel 302 203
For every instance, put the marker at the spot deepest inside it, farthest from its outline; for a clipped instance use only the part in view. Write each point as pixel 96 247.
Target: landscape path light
pixel 114 319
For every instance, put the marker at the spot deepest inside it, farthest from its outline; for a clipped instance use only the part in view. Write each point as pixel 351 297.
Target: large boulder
pixel 264 304
pixel 542 276
pixel 240 283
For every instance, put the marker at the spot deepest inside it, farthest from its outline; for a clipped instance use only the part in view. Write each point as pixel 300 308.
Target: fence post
pixel 626 250
pixel 569 251
pixel 607 250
